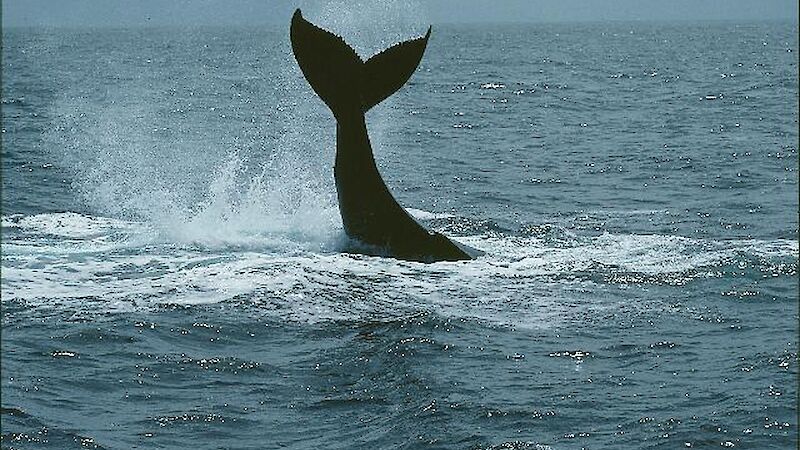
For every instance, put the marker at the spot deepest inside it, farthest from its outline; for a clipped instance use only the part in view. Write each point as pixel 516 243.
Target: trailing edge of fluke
pixel 349 87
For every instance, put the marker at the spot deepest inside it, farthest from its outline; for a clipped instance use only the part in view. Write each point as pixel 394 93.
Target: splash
pixel 283 203
pixel 211 154
pixel 199 195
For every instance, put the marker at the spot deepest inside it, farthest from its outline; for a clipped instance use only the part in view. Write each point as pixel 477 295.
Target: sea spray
pixel 284 203
pixel 369 26
pixel 258 181
pixel 143 154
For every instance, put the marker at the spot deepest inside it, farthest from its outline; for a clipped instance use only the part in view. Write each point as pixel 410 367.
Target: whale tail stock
pixel 339 76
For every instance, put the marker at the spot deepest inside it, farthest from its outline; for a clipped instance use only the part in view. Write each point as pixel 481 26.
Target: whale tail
pixel 339 76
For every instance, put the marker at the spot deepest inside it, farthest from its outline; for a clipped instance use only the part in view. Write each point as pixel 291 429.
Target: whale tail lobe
pixel 340 77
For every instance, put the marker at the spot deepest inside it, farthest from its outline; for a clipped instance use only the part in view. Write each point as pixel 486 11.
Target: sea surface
pixel 173 273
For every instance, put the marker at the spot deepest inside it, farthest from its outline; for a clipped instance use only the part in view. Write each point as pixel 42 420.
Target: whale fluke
pixel 389 70
pixel 349 87
pixel 339 76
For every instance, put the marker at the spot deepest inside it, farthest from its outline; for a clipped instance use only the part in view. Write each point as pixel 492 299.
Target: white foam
pixel 427 215
pixel 102 264
pixel 65 225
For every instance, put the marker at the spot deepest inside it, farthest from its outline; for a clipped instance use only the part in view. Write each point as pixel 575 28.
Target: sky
pixel 115 13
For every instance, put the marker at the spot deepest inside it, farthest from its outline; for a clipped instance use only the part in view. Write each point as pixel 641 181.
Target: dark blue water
pixel 172 273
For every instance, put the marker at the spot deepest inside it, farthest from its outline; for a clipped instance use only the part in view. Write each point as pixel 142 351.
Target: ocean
pixel 173 273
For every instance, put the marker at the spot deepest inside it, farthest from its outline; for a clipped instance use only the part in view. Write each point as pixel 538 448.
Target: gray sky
pixel 251 12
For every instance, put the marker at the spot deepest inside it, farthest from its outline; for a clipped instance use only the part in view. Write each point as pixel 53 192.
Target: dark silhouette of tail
pixel 339 76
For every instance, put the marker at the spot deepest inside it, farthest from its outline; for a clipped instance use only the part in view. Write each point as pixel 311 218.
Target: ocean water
pixel 172 264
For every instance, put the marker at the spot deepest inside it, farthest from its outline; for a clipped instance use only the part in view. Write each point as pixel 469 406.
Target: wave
pixel 111 265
